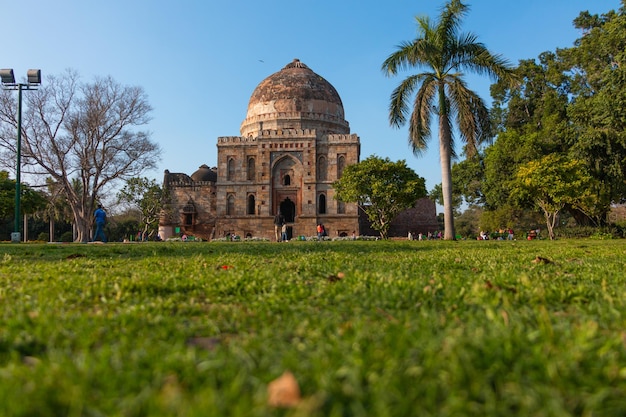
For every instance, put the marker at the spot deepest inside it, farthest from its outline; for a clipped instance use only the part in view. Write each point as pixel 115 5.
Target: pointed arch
pixel 250 207
pixel 341 164
pixel 230 169
pixel 322 168
pixel 230 205
pixel 251 168
pixel 287 176
pixel 321 204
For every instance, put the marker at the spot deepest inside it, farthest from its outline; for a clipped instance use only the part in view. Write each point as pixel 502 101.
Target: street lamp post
pixel 8 83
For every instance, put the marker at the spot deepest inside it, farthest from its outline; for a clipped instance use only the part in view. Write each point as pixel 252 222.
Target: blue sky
pixel 200 60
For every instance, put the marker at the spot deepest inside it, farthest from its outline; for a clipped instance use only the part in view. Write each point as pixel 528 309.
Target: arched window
pixel 230 205
pixel 341 207
pixel 251 204
pixel 251 169
pixel 321 204
pixel 230 173
pixel 341 164
pixel 322 168
pixel 287 180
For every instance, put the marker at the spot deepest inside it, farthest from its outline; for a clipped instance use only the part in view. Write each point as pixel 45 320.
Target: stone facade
pixel 294 144
pixel 192 205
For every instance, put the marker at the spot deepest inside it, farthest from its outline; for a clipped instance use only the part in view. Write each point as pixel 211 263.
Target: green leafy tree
pixel 552 183
pixel 467 223
pixel 381 188
pixel 146 196
pixel 538 103
pixel 597 65
pixel 7 195
pixel 31 200
pixel 569 102
pixel 446 53
pixel 436 194
pixel 467 177
pixel 467 182
pixel 532 122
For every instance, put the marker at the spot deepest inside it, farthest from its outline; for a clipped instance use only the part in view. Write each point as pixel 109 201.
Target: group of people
pixel 428 236
pixel 280 228
pixel 321 231
pixel 500 235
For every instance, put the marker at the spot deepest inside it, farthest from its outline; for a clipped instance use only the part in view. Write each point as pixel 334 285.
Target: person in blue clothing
pixel 100 218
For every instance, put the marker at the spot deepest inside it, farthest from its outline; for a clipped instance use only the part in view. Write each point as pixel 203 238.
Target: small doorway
pixel 288 210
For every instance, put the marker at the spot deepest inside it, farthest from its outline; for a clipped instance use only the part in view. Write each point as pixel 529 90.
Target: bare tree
pixel 84 135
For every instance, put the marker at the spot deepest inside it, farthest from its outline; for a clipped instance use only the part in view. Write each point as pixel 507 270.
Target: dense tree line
pixel 560 144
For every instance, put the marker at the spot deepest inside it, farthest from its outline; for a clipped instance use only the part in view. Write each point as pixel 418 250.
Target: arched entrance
pixel 287 185
pixel 288 210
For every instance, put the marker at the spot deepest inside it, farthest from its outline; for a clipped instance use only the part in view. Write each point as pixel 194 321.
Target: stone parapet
pixel 341 138
pixel 287 133
pixel 236 139
pixel 190 183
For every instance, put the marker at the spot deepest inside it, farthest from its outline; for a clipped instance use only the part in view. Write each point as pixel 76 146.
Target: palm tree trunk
pixel 445 156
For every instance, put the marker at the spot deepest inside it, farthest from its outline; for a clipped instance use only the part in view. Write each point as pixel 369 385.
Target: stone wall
pixel 422 218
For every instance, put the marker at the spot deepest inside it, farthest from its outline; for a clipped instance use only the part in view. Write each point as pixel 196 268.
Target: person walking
pixel 279 220
pixel 283 235
pixel 100 217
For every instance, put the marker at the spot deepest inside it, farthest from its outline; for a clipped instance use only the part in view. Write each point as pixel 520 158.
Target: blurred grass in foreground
pixel 387 328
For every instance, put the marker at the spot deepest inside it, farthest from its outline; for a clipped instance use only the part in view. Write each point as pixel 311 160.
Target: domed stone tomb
pixel 295 98
pixel 294 143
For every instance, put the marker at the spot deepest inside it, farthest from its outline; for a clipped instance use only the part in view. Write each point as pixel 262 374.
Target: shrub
pixel 578 232
pixel 67 237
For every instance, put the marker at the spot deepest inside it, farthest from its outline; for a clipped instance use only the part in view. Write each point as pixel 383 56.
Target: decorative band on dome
pixel 296 64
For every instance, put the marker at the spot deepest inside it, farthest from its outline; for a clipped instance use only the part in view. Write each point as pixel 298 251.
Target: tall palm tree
pixel 444 52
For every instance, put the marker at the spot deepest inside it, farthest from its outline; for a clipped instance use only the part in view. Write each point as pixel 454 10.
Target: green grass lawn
pixel 387 328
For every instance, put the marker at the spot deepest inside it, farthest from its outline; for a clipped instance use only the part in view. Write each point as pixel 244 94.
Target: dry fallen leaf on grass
pixel 284 391
pixel 541 260
pixel 335 278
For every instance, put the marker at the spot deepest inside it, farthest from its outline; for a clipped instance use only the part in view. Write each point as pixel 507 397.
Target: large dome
pixel 295 98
